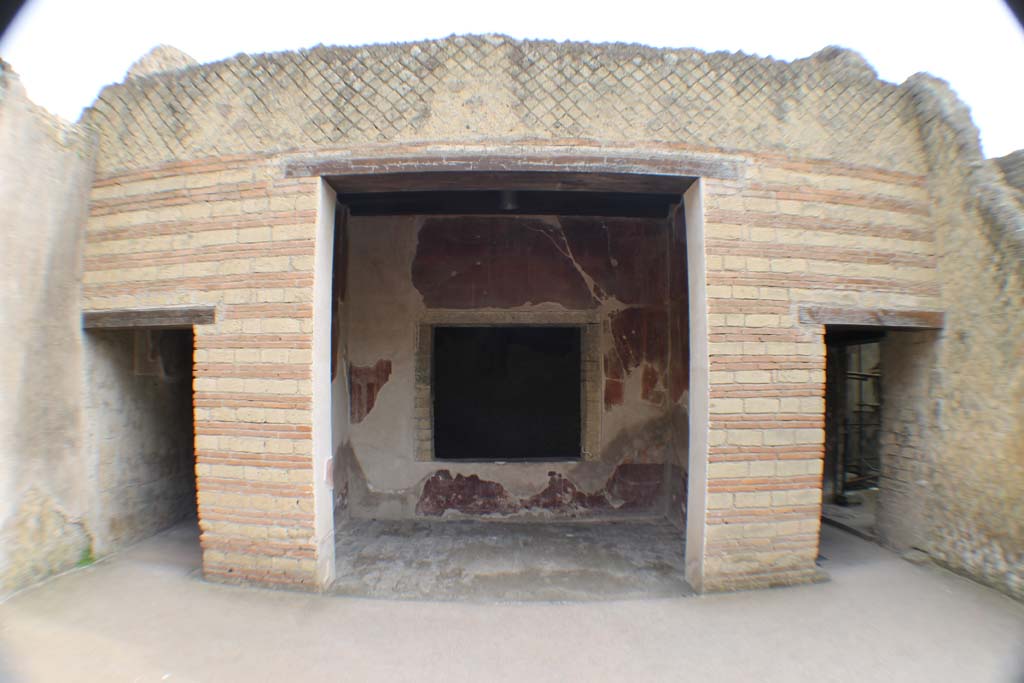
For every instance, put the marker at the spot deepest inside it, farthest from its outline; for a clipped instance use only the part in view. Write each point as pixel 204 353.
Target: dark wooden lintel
pixel 135 318
pixel 872 317
pixel 433 181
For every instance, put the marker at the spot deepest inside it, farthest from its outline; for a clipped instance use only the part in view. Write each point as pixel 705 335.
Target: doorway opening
pixel 512 360
pixel 141 436
pixel 853 428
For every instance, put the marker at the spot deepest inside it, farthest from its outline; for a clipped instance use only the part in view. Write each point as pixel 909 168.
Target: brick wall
pixel 233 236
pixel 795 232
pixel 822 199
pixel 227 232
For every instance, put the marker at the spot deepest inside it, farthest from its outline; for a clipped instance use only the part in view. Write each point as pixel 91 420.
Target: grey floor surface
pixel 859 517
pixel 510 561
pixel 146 615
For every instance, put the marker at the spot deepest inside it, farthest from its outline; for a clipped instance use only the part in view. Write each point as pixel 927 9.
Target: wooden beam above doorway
pixel 149 318
pixel 889 318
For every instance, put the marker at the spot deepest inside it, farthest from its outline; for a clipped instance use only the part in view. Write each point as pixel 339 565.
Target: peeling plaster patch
pixel 343 459
pixel 562 494
pixel 640 337
pixel 679 361
pixel 651 380
pixel 42 539
pixel 679 310
pixel 637 485
pixel 676 481
pixel 365 383
pixel 624 257
pixel 358 493
pixel 498 262
pixel 650 442
pixel 469 262
pixel 470 495
pixel 614 393
pixel 630 487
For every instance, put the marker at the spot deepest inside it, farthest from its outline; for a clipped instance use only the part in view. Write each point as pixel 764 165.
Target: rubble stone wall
pixel 45 173
pixel 976 511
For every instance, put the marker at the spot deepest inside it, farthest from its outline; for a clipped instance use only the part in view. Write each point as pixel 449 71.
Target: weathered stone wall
pixel 45 172
pixel 814 192
pixel 137 440
pixel 341 443
pixel 1012 168
pixel 404 272
pixel 977 508
pixel 908 438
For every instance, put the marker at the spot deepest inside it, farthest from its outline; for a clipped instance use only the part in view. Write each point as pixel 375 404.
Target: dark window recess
pixel 506 393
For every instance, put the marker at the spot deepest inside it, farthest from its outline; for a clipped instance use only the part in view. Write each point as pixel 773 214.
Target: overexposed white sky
pixel 66 50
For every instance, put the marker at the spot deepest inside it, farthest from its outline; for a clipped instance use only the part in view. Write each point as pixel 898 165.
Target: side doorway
pixel 853 429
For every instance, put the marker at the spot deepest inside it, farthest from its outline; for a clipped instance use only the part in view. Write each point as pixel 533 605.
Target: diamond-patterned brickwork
pixel 483 88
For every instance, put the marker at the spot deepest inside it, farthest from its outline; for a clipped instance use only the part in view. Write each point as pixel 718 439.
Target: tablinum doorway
pixel 445 559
